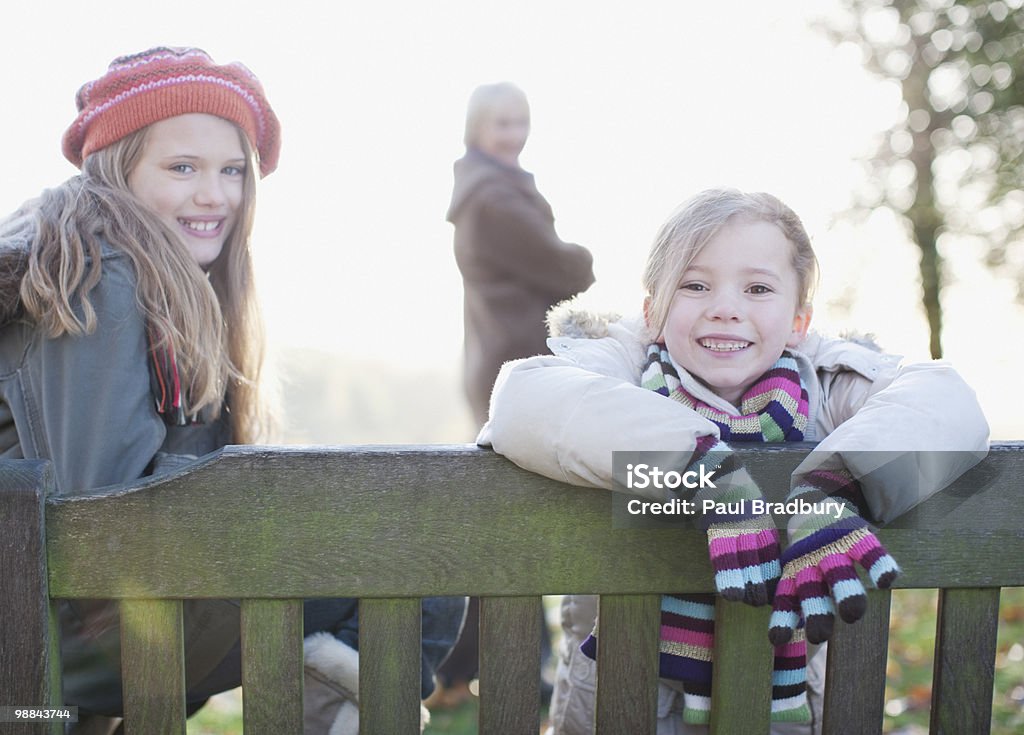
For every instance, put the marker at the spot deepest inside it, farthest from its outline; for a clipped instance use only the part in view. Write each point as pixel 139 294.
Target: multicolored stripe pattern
pixel 687 637
pixel 819 575
pixel 743 546
pixel 686 654
pixel 774 409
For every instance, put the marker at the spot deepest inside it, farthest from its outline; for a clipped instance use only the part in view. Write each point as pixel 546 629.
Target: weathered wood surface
pixel 153 666
pixel 389 666
pixel 272 666
pixel 743 663
pixel 404 522
pixel 857 653
pixel 26 673
pixel 420 521
pixel 510 630
pixel 965 656
pixel 627 664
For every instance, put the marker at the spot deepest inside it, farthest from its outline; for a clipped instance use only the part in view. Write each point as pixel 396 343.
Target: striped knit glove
pixel 819 574
pixel 743 543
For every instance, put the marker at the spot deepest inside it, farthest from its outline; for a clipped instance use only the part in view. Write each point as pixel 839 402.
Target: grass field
pixel 907 694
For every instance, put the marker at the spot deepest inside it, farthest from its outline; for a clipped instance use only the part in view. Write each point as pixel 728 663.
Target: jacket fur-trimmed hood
pixel 570 319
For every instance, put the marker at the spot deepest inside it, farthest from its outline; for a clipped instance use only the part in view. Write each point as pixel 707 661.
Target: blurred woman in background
pixel 514 266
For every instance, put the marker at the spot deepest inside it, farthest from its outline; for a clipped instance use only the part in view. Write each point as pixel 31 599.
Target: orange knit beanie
pixel 163 82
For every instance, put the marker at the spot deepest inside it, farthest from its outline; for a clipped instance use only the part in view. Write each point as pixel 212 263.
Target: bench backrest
pixel 272 526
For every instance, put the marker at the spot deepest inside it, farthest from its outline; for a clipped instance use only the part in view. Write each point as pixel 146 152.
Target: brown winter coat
pixel 514 268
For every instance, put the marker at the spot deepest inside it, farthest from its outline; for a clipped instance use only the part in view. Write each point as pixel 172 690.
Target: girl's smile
pixel 203 226
pixel 723 344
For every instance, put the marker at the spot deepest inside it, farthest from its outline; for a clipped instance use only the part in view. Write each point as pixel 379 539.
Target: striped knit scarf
pixel 774 409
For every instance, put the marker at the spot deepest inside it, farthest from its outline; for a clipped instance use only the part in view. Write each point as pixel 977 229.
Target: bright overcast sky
pixel 635 107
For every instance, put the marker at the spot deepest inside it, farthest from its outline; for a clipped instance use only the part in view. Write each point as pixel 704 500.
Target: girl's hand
pixel 819 573
pixel 745 557
pixel 743 543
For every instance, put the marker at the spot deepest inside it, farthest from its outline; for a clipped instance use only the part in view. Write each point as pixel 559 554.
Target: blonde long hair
pixel 211 320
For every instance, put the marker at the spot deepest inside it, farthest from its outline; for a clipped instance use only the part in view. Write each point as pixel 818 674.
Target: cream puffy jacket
pixel 905 430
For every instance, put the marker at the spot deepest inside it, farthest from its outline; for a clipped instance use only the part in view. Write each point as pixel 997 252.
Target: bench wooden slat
pixel 153 666
pixel 24 606
pixel 389 666
pixel 510 629
pixel 743 665
pixel 52 659
pixel 627 664
pixel 28 641
pixel 272 666
pixel 855 683
pixel 965 653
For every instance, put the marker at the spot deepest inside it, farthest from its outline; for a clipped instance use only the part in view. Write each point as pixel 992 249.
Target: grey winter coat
pixel 85 403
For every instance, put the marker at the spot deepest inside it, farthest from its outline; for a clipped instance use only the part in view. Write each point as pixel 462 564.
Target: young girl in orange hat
pixel 131 341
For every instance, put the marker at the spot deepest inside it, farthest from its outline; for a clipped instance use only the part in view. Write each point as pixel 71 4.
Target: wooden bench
pixel 273 525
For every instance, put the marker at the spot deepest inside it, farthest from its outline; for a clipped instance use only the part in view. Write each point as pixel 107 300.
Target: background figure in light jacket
pixel 514 266
pixel 722 355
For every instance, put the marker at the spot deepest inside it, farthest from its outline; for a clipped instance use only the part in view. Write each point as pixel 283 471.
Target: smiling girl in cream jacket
pixel 723 354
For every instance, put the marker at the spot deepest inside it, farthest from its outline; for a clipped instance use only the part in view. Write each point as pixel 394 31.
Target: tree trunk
pixel 924 216
pixel 931 284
